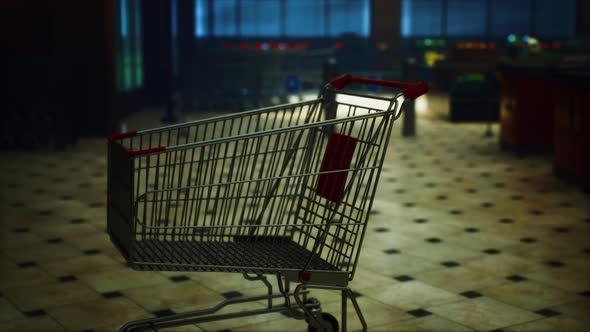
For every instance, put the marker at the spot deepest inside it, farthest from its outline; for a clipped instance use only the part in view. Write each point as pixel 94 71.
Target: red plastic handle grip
pixel 410 90
pixel 146 151
pixel 115 137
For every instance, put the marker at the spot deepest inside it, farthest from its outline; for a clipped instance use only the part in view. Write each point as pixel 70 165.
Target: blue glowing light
pixel 201 23
pixel 366 28
pixel 124 25
pixel 406 18
pixel 174 18
pixel 511 38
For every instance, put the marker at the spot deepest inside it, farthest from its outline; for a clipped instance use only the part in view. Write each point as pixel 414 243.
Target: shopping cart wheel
pixel 313 304
pixel 329 322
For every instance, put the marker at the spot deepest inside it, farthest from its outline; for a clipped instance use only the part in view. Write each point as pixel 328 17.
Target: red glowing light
pixel 258 46
pixel 243 46
pixel 556 45
pixel 298 46
pixel 492 45
pixel 306 276
pixel 338 45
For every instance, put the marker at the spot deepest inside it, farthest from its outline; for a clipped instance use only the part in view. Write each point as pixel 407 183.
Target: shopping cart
pixel 283 191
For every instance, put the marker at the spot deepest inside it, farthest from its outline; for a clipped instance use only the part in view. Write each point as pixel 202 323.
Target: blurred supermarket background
pixel 77 69
pixel 482 219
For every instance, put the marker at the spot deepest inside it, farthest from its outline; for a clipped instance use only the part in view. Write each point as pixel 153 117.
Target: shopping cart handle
pixel 115 137
pixel 410 90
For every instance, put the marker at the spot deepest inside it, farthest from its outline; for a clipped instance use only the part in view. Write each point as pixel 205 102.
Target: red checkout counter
pixel 571 131
pixel 526 107
pixel 546 107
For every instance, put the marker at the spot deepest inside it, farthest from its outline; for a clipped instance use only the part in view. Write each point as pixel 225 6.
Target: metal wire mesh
pixel 240 192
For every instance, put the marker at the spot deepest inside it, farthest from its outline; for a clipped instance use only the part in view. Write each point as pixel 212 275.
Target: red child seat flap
pixel 338 156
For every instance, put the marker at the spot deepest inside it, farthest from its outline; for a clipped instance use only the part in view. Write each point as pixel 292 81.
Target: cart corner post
pixel 120 197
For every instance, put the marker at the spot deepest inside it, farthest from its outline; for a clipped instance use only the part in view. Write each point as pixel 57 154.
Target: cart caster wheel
pixel 329 322
pixel 313 304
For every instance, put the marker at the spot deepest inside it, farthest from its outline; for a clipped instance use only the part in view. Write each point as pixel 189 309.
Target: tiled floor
pixel 463 237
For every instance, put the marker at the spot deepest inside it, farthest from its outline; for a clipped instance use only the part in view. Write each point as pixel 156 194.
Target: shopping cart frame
pixel 123 209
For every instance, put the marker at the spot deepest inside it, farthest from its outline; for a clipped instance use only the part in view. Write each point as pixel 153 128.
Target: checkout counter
pixel 545 107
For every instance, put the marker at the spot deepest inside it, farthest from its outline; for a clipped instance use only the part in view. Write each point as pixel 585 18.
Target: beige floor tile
pixel 322 295
pixel 237 322
pixel 579 310
pixel 411 295
pixel 6 262
pixel 567 278
pixel 374 312
pixel 81 265
pixel 461 279
pixel 276 324
pixel 62 208
pixel 529 295
pixel 43 296
pixel 502 264
pixel 480 241
pixel 59 209
pixel 393 265
pixel 435 227
pixel 564 324
pixel 573 240
pixel 93 215
pixel 16 217
pixel 66 231
pixel 8 311
pixel 483 314
pixel 183 328
pixel 442 252
pixel 387 240
pixel 516 230
pixel 91 241
pixel 365 279
pixel 542 251
pixel 19 240
pixel 12 276
pixel 188 295
pixel 114 254
pixel 121 279
pixel 259 289
pixel 430 323
pixel 37 324
pixel 88 315
pixel 43 253
pixel 577 262
pixel 224 282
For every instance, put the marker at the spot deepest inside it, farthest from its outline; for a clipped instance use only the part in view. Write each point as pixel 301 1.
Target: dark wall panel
pixel 157 51
pixel 385 23
pixel 58 65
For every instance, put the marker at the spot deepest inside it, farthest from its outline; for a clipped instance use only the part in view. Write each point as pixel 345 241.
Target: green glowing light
pixel 473 77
